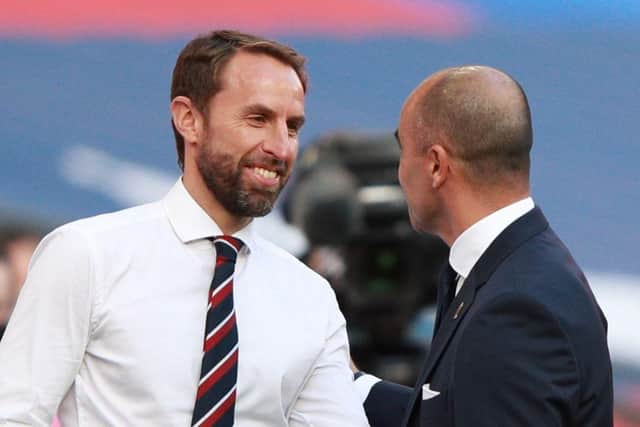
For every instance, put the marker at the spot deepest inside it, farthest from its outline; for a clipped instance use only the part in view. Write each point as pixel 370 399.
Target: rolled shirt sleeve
pixel 48 332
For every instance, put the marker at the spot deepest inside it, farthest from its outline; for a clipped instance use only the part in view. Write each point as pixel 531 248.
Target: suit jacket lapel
pixel 445 281
pixel 509 240
pixel 445 327
pixel 448 325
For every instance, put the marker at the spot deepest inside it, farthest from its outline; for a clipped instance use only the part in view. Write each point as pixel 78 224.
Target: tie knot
pixel 449 275
pixel 227 248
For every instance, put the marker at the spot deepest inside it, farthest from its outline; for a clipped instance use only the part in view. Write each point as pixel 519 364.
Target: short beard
pixel 225 184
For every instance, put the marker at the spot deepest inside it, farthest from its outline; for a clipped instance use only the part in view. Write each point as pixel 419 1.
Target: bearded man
pixel 177 313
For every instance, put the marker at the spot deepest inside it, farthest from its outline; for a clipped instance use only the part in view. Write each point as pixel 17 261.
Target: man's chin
pixel 259 211
pixel 262 213
pixel 258 205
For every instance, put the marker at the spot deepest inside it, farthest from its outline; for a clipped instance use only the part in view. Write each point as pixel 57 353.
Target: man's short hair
pixel 199 66
pixel 491 134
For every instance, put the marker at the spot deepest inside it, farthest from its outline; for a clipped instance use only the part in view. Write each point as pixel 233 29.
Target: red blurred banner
pixel 161 19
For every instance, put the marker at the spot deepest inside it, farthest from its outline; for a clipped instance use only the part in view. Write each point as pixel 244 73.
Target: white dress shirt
pixel 465 252
pixel 467 249
pixel 108 329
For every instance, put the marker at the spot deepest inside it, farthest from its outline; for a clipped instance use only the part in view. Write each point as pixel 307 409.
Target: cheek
pixel 402 175
pixel 234 141
pixel 411 182
pixel 293 150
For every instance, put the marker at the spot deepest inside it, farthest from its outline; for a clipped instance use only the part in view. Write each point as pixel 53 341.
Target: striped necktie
pixel 215 401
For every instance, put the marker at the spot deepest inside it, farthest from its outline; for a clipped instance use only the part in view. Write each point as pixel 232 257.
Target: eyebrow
pixel 397 136
pixel 259 109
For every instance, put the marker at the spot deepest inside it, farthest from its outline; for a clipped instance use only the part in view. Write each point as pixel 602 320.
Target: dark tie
pixel 216 398
pixel 446 293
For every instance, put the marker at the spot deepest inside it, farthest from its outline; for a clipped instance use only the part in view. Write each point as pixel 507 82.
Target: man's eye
pixel 293 131
pixel 257 119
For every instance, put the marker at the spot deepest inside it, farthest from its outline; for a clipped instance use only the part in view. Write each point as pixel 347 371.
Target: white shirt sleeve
pixel 329 398
pixel 364 384
pixel 48 332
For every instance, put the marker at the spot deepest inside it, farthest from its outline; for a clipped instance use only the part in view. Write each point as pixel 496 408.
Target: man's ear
pixel 438 165
pixel 187 119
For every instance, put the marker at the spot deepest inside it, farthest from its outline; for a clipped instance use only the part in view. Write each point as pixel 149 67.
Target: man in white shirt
pixel 519 339
pixel 110 326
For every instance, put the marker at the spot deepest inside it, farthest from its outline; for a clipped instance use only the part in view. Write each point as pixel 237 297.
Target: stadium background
pixel 84 123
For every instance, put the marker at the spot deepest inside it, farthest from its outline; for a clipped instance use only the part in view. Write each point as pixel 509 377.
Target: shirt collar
pixel 471 244
pixel 190 222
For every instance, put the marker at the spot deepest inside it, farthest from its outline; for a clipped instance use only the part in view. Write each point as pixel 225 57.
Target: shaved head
pixel 481 116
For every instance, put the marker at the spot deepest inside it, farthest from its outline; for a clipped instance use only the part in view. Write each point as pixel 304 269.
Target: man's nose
pixel 278 143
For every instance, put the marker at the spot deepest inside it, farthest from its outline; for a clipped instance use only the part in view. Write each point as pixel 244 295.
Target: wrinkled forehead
pixel 260 82
pixel 246 68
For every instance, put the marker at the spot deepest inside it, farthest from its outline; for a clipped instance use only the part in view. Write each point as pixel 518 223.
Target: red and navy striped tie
pixel 216 398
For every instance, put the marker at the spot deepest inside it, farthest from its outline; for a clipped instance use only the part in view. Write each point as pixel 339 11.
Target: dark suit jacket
pixel 522 344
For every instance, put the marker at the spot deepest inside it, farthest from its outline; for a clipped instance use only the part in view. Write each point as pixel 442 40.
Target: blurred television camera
pixel 347 199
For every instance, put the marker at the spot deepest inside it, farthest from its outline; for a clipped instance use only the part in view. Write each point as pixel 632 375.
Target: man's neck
pixel 473 209
pixel 228 223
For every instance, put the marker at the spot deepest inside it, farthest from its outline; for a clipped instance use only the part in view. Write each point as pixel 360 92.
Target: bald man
pixel 519 339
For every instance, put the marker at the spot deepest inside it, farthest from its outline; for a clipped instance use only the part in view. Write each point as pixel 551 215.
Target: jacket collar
pixel 467 249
